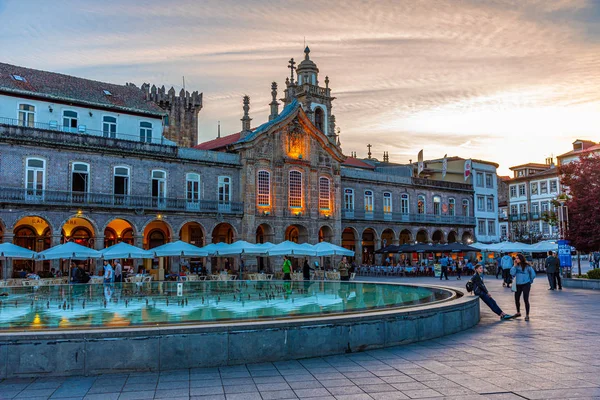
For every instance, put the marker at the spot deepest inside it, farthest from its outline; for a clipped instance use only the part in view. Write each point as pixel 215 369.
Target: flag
pixel 420 160
pixel 467 169
pixel 444 166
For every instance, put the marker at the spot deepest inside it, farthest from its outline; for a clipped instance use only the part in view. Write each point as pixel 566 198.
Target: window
pixel 490 203
pixel 192 183
pixel 481 227
pixel 451 207
pixel 404 204
pixel 107 92
pixel 19 78
pixel 263 193
pixel 504 231
pixel 121 184
pixel 146 132
pixel 421 207
pixel 70 121
pixel 522 190
pixel 80 178
pixel 545 206
pixel 513 191
pixel 224 193
pixel 514 210
pixel 349 199
pixel 26 115
pixel 159 188
pixel 545 228
pixel 479 179
pixel 522 209
pixel 489 181
pixel 465 204
pixel 320 119
pixel 369 201
pixel 109 126
pixel 535 207
pixel 480 203
pixel 553 186
pixel 35 177
pixel 387 202
pixel 544 187
pixel 437 205
pixel 295 195
pixel 534 187
pixel 491 225
pixel 324 193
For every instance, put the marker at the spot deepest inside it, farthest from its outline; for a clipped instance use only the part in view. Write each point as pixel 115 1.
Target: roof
pixel 505 178
pixel 66 88
pixel 219 142
pixel 457 158
pixel 590 149
pixel 356 163
pixel 531 165
pixel 533 177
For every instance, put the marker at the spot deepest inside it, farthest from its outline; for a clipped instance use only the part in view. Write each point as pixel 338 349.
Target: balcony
pixel 534 216
pixel 101 200
pixel 362 215
pixel 518 217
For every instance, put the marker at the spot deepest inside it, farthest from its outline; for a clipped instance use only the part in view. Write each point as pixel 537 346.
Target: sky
pixel 506 81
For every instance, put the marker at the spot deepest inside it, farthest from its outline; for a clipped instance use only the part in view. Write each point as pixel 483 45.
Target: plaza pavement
pixel 555 356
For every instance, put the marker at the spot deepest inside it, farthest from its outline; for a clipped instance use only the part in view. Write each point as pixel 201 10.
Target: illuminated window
pixel 451 207
pixel 263 194
pixel 437 205
pixel 465 204
pixel 421 204
pixel 349 199
pixel 295 194
pixel 324 193
pixel 368 201
pixel 404 204
pixel 387 202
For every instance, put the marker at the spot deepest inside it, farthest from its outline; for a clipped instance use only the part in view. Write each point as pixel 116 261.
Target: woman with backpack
pixel 524 275
pixel 478 287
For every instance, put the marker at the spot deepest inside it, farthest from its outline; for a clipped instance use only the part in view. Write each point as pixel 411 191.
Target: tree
pixel 582 180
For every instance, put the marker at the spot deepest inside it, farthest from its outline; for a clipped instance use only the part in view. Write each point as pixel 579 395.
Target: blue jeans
pixel 491 303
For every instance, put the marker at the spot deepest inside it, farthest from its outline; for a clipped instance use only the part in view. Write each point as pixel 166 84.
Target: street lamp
pixel 563 225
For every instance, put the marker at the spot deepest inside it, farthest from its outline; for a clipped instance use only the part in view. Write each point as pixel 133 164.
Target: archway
pixel 467 237
pixel 369 238
pixel 193 233
pixel 405 237
pixel 264 233
pixel 349 239
pixel 325 234
pixel 223 233
pixel 387 237
pixel 437 237
pixel 80 231
pixel 452 237
pixel 296 234
pixel 117 231
pixel 156 233
pixel 320 119
pixel 33 233
pixel 422 236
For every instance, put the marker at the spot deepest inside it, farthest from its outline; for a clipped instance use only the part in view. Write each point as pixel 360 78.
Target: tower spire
pixel 292 67
pixel 274 104
pixel 369 153
pixel 246 118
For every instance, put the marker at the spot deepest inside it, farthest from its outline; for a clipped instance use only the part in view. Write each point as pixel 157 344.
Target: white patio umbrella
pixel 213 248
pixel 546 245
pixel 288 248
pixel 329 249
pixel 12 251
pixel 124 250
pixel 69 251
pixel 509 247
pixel 482 246
pixel 179 249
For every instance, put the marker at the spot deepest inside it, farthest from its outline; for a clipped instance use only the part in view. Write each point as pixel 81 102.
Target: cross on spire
pixel 369 153
pixel 292 68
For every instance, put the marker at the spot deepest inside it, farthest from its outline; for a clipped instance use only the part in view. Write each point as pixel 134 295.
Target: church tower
pixel 315 100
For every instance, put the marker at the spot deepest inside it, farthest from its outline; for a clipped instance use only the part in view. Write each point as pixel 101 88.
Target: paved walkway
pixel 554 356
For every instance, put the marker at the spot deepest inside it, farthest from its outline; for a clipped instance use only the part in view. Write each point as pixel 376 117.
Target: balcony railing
pixel 102 200
pixel 518 217
pixel 407 218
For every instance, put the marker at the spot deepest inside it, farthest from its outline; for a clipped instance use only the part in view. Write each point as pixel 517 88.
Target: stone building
pixel 68 173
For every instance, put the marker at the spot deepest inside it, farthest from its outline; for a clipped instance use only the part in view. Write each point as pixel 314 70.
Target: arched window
pixel 451 207
pixel 26 114
pixel 349 199
pixel 437 205
pixel 324 193
pixel 109 126
pixel 192 186
pixel 35 177
pixel 421 206
pixel 368 201
pixel 404 204
pixel 320 119
pixel 263 185
pixel 146 132
pixel 387 203
pixel 465 204
pixel 295 189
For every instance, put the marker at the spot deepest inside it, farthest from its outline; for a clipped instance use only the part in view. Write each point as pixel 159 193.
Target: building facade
pixel 80 177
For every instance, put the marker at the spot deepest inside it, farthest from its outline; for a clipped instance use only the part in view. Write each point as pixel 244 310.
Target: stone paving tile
pixel 329 383
pixel 209 397
pixel 243 396
pixel 102 396
pixel 359 396
pixel 206 391
pixel 315 392
pixel 421 393
pixel 306 385
pixel 170 393
pixel 140 395
pixel 389 396
pixel 278 395
pixel 205 382
pixel 340 390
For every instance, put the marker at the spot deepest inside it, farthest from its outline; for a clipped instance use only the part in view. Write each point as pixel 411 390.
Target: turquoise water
pixel 159 303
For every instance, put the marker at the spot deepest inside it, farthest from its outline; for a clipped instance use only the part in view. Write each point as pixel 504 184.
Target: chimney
pixel 246 118
pixel 274 104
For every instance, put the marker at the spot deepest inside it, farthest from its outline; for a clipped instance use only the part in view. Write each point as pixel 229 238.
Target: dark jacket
pixel 478 285
pixel 306 270
pixel 551 265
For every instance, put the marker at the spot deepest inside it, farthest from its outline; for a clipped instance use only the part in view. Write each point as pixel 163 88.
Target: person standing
pixel 444 263
pixel 287 269
pixel 118 271
pixel 306 270
pixel 557 279
pixel 551 270
pixel 524 276
pixel 109 274
pixel 458 270
pixel 343 268
pixel 506 262
pixel 498 268
pixel 480 290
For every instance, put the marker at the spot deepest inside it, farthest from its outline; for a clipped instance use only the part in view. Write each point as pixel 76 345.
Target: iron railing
pixel 407 218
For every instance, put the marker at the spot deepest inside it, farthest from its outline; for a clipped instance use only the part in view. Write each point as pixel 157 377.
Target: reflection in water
pixel 131 304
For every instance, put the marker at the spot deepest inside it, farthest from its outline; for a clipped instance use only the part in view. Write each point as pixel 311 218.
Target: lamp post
pixel 563 223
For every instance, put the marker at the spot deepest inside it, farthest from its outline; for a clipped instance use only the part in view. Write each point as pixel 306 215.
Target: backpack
pixel 469 286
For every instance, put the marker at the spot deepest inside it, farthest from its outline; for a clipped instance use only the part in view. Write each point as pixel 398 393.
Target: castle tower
pixel 315 100
pixel 182 124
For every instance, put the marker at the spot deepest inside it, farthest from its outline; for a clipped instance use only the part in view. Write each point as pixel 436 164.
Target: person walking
pixel 109 274
pixel 551 270
pixel 498 267
pixel 480 290
pixel 343 269
pixel 506 262
pixel 444 263
pixel 458 270
pixel 287 269
pixel 118 271
pixel 524 276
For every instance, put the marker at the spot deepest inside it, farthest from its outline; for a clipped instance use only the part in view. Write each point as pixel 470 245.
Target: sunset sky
pixel 505 81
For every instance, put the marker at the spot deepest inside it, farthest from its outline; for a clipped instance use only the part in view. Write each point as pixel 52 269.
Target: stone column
pixel 7 265
pixel 176 264
pixel 98 245
pixel 138 241
pixel 55 241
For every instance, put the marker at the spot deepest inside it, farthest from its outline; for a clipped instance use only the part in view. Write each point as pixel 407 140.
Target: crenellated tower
pixel 183 109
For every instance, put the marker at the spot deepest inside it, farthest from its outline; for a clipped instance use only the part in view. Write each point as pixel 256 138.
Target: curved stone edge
pixel 167 348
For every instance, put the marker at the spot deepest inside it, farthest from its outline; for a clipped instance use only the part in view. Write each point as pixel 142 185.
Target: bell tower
pixel 315 99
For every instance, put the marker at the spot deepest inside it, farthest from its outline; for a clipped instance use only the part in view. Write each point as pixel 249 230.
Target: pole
pixel 579 262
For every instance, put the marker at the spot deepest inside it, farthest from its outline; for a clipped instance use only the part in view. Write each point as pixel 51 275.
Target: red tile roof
pixel 219 143
pixel 584 151
pixel 531 165
pixel 66 88
pixel 357 163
